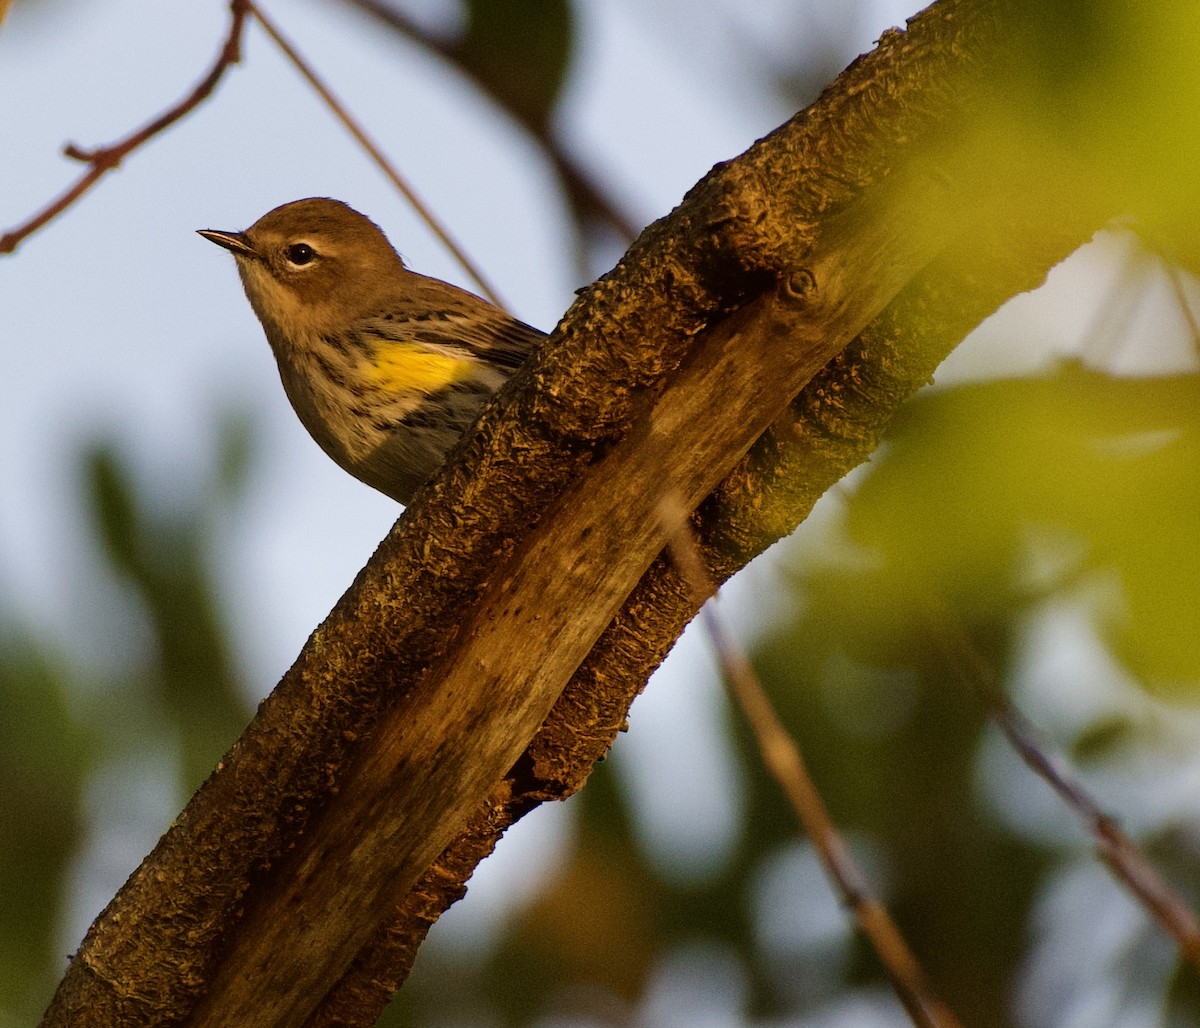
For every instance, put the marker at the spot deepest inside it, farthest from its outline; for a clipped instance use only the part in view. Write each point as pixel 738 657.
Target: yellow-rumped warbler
pixel 386 368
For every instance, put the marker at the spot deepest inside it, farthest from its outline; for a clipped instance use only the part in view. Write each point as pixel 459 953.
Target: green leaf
pixel 520 51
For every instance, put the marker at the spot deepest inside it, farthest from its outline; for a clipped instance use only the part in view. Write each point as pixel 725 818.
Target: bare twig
pixel 365 141
pixel 1113 846
pixel 782 758
pixel 106 158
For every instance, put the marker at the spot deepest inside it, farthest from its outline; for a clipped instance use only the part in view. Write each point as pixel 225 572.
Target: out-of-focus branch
pixel 588 198
pixel 356 130
pixel 1175 274
pixel 1114 847
pixel 106 158
pixel 781 756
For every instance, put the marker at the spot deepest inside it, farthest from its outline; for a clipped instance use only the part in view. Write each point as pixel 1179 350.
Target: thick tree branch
pixel 845 246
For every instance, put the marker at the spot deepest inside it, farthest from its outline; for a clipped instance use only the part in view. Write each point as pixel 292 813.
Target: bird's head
pixel 312 267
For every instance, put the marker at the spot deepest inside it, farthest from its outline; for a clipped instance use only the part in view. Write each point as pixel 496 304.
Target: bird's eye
pixel 300 254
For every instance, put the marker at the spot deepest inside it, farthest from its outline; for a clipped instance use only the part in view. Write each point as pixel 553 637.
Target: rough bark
pixel 811 285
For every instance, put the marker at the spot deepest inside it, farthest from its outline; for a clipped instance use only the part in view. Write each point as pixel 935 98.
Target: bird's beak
pixel 235 242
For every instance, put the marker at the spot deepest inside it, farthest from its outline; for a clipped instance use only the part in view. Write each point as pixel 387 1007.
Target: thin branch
pixel 782 758
pixel 365 141
pixel 1163 252
pixel 106 158
pixel 1175 277
pixel 1113 846
pixel 586 196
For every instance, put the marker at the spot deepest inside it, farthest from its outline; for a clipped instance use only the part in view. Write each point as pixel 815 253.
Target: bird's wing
pixel 454 320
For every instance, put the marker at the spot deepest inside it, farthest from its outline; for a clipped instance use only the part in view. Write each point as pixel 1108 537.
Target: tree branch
pixel 106 158
pixel 843 252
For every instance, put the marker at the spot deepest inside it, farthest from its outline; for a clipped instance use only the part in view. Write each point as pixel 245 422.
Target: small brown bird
pixel 386 368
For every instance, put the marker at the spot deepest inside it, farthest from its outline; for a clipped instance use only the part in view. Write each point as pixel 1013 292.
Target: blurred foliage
pixel 1109 91
pixel 57 726
pixel 191 683
pixel 519 52
pixel 45 758
pixel 994 493
pixel 996 497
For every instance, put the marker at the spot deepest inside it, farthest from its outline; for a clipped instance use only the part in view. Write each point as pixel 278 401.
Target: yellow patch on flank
pixel 411 366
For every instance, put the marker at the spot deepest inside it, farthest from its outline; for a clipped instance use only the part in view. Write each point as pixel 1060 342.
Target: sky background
pixel 120 323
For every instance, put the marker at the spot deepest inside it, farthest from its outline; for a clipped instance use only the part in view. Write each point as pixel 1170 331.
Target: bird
pixel 385 367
